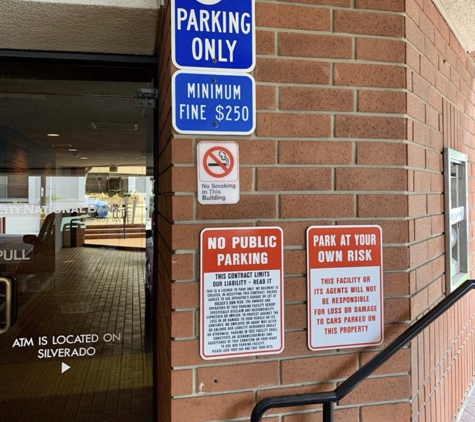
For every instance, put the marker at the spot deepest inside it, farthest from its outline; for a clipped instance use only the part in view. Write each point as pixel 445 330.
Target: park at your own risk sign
pixel 345 295
pixel 241 292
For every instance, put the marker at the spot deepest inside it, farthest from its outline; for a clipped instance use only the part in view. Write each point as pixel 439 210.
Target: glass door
pixel 75 210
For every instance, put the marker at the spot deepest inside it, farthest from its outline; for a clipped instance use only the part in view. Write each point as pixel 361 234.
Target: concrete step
pixel 113 226
pixel 114 231
pixel 92 236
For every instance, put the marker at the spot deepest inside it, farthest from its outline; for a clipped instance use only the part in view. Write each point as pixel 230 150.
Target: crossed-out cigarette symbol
pixel 218 157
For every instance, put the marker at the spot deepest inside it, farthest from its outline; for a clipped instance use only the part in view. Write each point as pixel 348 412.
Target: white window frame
pixel 456 218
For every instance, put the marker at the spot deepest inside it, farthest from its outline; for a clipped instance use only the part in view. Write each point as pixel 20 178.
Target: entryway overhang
pixel 96 26
pixel 460 16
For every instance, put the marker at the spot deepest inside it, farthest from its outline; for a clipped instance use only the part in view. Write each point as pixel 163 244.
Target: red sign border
pixel 282 298
pixel 309 293
pixel 208 153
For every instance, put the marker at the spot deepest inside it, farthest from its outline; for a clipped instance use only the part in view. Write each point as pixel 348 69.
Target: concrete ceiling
pixel 97 26
pixel 460 16
pixel 95 120
pixel 91 109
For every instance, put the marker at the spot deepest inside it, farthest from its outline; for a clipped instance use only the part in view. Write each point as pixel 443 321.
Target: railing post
pixel 328 412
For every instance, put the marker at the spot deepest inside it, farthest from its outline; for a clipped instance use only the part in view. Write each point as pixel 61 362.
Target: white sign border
pixel 282 299
pixel 309 301
pixel 214 132
pixel 214 69
pixel 200 169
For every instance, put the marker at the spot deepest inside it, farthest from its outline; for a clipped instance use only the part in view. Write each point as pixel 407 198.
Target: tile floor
pixel 93 291
pixel 467 413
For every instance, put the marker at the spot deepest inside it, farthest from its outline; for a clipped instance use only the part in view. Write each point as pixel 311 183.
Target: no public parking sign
pixel 241 292
pixel 345 295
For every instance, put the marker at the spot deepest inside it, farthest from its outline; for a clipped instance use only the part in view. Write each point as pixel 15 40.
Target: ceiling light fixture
pixel 114 125
pixel 61 145
pixel 52 134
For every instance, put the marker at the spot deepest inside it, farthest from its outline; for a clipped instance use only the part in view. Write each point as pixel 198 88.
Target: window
pixel 14 188
pixel 456 218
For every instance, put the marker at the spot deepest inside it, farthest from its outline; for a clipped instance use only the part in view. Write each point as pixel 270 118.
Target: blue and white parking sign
pixel 213 34
pixel 213 103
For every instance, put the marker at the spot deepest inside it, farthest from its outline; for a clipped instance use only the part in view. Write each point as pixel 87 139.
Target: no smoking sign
pixel 218 173
pixel 218 162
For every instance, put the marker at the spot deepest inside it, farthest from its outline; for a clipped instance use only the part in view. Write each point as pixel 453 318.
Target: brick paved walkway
pixel 94 291
pixel 468 412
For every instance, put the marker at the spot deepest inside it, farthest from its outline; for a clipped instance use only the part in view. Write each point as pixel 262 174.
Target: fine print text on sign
pixel 213 103
pixel 345 294
pixel 241 292
pixel 218 173
pixel 213 34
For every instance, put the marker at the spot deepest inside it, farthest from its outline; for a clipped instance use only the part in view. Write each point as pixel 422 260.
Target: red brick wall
pixel 440 108
pixel 333 145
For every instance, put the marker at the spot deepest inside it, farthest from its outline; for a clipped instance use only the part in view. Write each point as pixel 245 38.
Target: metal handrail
pixel 328 398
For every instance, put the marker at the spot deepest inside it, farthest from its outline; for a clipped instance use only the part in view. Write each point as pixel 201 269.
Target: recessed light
pixel 72 149
pixel 114 125
pixel 84 158
pixel 53 134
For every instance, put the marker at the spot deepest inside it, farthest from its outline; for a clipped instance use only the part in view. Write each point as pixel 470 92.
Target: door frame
pixel 88 64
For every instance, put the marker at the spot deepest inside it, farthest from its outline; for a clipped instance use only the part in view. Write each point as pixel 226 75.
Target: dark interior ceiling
pixel 90 106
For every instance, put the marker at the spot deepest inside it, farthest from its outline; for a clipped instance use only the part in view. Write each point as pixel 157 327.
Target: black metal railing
pixel 329 398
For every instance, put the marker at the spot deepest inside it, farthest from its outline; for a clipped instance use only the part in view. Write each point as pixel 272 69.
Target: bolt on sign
pixel 345 295
pixel 241 292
